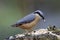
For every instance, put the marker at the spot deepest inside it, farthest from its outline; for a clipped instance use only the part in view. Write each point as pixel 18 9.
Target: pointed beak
pixel 44 20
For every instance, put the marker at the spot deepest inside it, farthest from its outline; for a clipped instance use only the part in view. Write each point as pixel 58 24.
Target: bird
pixel 29 21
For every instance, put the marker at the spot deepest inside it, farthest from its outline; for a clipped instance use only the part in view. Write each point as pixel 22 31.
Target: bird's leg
pixel 30 31
pixel 26 32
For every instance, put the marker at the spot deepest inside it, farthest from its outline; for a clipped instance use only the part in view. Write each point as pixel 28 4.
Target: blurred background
pixel 13 10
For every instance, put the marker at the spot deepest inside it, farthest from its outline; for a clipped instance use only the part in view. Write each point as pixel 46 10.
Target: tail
pixel 15 25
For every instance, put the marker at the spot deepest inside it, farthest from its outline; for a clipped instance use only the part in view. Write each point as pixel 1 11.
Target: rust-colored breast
pixel 31 24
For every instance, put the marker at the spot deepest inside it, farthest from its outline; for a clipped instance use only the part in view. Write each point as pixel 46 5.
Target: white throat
pixel 38 15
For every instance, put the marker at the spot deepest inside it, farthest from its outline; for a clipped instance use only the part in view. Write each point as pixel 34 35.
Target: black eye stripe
pixel 40 15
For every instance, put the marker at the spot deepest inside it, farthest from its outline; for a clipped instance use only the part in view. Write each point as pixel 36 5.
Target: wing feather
pixel 27 19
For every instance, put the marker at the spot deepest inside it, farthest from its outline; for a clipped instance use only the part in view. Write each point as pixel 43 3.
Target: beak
pixel 44 20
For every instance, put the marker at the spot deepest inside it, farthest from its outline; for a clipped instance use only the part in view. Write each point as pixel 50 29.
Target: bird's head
pixel 40 14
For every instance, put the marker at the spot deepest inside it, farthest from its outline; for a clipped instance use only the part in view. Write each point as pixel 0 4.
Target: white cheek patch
pixel 40 18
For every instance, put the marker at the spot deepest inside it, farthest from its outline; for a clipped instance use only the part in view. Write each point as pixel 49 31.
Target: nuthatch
pixel 29 21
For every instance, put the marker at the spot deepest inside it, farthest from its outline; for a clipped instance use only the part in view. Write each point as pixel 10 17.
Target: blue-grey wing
pixel 27 19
